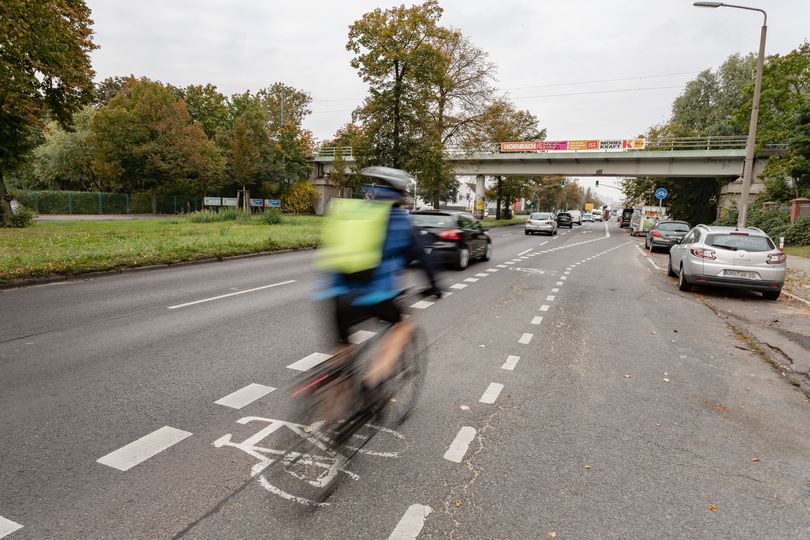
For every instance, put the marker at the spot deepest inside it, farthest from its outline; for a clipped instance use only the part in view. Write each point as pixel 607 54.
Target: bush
pixel 223 214
pixel 22 218
pixel 301 198
pixel 271 216
pixel 799 233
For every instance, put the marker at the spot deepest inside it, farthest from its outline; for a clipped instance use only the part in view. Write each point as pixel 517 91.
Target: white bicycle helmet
pixel 395 179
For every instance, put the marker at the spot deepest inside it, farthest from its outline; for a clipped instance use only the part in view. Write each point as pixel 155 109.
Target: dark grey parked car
pixel 452 237
pixel 666 234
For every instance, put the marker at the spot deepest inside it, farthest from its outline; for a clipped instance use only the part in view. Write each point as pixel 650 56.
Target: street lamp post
pixel 748 168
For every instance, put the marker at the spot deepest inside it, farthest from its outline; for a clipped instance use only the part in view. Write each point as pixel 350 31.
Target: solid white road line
pixel 511 362
pixel 550 298
pixel 361 335
pixel 607 232
pixel 422 304
pixel 309 361
pixel 481 274
pixel 471 280
pixel 460 444
pixel 245 396
pixel 230 294
pixel 537 320
pixel 649 259
pixel 458 286
pixel 147 446
pixel 411 523
pixel 491 393
pixel 555 290
pixel 526 338
pixel 7 526
pixel 544 307
pixel 791 295
pixel 524 252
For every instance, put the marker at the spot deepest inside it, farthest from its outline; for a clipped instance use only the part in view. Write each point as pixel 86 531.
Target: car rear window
pixel 676 227
pixel 432 220
pixel 564 214
pixel 540 215
pixel 736 242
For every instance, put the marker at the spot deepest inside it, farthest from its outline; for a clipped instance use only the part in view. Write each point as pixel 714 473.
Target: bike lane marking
pixel 422 304
pixel 481 274
pixel 511 362
pixel 537 320
pixel 491 393
pixel 471 280
pixel 550 298
pixel 7 527
pixel 144 448
pixel 411 523
pixel 459 286
pixel 524 252
pixel 458 448
pixel 544 307
pixel 309 361
pixel 244 396
pixel 178 306
pixel 526 338
pixel 360 336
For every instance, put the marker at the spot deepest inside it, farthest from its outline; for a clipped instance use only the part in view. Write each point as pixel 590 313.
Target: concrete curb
pixel 56 278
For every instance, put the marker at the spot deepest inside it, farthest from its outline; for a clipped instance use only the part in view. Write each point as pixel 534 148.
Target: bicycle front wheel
pixel 405 385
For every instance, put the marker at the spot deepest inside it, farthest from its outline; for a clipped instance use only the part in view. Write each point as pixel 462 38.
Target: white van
pixel 576 216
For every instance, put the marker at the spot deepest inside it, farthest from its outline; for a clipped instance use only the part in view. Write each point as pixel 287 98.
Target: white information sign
pixel 230 201
pixel 213 201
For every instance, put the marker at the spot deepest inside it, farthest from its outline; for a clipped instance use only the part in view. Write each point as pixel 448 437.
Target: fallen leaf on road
pixel 755 459
pixel 587 467
pixel 626 375
pixel 713 508
pixel 652 332
pixel 666 380
pixel 464 408
pixel 657 425
pixel 482 345
pixel 457 504
pixel 552 534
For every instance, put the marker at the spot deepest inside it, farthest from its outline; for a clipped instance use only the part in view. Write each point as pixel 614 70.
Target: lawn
pixel 515 220
pixel 801 251
pixel 74 247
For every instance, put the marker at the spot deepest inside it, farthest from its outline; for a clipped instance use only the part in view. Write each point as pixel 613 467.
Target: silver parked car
pixel 541 222
pixel 728 257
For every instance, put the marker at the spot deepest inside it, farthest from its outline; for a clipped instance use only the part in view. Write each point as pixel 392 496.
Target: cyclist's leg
pixel 391 345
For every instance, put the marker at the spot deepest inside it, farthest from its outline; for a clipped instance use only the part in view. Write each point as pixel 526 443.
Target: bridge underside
pixel 674 164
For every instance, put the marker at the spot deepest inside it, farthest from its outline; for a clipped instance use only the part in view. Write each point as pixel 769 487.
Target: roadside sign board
pixel 661 193
pixel 256 203
pixel 213 201
pixel 230 201
pixel 272 203
pixel 589 207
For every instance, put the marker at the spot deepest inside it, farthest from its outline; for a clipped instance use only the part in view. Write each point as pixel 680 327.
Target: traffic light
pixel 562 183
pixel 597 183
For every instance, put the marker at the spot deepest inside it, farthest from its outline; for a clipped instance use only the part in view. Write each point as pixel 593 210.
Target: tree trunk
pixel 499 196
pixel 5 203
pixel 436 200
pixel 154 199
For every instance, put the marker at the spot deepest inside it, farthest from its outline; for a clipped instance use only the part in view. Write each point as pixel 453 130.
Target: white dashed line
pixel 471 280
pixel 544 307
pixel 500 265
pixel 543 243
pixel 460 444
pixel 524 252
pixel 422 304
pixel 481 275
pixel 361 335
pixel 509 263
pixel 550 298
pixel 555 290
pixel 411 523
pixel 511 362
pixel 563 278
pixel 526 338
pixel 492 270
pixel 178 306
pixel 244 396
pixel 147 446
pixel 458 286
pixel 309 361
pixel 7 526
pixel 537 320
pixel 559 283
pixel 491 393
pixel 566 272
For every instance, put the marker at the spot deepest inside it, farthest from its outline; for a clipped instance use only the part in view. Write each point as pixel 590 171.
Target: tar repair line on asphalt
pixel 7 527
pixel 411 523
pixel 178 306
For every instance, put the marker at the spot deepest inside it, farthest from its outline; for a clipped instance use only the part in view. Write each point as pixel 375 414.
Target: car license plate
pixel 741 274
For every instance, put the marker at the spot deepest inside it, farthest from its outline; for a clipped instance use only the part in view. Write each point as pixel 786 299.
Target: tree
pixel 249 148
pixel 207 106
pixel 44 72
pixel 145 138
pixel 284 105
pixel 109 87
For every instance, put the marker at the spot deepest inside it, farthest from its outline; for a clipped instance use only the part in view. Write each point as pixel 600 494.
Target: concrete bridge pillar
pixel 480 188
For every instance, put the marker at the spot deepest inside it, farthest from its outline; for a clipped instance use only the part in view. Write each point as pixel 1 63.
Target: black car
pixel 564 219
pixel 666 234
pixel 624 217
pixel 452 237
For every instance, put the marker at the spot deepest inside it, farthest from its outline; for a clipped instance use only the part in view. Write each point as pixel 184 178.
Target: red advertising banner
pixel 520 146
pixel 575 145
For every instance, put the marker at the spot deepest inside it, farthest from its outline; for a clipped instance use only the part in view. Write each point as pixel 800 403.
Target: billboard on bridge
pixel 578 145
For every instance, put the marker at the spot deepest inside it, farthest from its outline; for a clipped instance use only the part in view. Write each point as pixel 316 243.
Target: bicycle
pixel 333 409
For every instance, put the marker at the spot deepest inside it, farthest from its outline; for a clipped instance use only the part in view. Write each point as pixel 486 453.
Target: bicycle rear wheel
pixel 404 386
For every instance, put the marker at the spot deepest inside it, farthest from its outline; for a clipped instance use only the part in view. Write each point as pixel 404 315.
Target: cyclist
pixel 365 253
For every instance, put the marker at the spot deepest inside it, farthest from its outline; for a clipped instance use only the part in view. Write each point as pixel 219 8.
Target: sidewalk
pixel 797 281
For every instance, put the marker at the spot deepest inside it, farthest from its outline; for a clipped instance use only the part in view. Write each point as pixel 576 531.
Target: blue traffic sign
pixel 661 193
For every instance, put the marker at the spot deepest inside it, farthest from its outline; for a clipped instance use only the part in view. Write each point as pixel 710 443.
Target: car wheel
pixel 463 258
pixel 670 271
pixel 487 252
pixel 771 295
pixel 554 233
pixel 683 285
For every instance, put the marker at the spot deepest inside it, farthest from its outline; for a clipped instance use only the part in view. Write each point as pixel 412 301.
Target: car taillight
pixel 656 234
pixel 450 234
pixel 703 253
pixel 549 223
pixel 776 258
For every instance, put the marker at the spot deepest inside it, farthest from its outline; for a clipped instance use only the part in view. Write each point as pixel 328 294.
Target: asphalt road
pixel 627 408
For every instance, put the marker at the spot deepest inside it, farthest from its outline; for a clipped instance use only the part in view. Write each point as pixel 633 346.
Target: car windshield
pixel 432 220
pixel 540 215
pixel 564 214
pixel 676 227
pixel 736 242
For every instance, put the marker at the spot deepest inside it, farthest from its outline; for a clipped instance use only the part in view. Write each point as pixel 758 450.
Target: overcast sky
pixel 588 69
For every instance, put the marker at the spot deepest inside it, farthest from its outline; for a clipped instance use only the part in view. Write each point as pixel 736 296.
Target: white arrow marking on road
pixel 458 285
pixel 537 320
pixel 7 526
pixel 491 393
pixel 309 361
pixel 147 446
pixel 245 396
pixel 411 523
pixel 460 444
pixel 511 362
pixel 230 294
pixel 526 338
